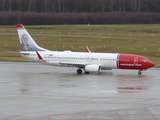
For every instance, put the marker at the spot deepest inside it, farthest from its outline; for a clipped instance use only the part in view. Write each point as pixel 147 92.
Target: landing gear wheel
pixel 139 72
pixel 79 71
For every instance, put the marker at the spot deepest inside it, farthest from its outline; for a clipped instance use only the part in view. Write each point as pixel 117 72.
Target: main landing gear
pixel 79 71
pixel 139 72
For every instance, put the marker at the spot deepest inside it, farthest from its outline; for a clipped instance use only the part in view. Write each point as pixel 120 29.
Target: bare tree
pixel 63 5
pixel 102 5
pixel 135 5
pixel 3 4
pixel 10 4
pixel 81 5
pixel 19 3
pixel 139 5
pixel 120 7
pixel 30 5
pixel 46 5
pixel 123 4
pixel 59 5
pixel 112 2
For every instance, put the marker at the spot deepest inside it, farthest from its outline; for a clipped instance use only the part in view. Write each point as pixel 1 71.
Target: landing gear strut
pixel 79 71
pixel 139 72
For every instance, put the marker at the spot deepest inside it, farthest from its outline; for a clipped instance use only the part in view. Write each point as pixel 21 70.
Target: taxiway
pixel 31 91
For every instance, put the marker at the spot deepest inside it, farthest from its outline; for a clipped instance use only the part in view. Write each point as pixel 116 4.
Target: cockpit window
pixel 145 60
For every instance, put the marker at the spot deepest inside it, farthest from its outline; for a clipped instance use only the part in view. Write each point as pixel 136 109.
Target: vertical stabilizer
pixel 26 41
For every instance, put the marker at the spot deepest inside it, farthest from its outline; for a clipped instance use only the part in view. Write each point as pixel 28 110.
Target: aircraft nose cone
pixel 151 64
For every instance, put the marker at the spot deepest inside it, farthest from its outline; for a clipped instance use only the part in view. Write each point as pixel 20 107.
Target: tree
pixel 3 4
pixel 20 6
pixel 29 5
pixel 80 5
pixel 59 5
pixel 139 5
pixel 112 2
pixel 10 4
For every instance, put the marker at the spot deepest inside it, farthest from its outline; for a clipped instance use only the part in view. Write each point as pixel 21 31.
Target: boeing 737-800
pixel 87 61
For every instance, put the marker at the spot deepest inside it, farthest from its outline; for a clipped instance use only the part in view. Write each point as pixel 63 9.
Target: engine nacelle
pixel 92 68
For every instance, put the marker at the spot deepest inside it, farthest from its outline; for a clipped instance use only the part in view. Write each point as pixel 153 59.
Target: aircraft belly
pixel 54 63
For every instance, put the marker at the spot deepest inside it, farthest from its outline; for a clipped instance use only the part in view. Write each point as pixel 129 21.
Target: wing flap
pixel 76 64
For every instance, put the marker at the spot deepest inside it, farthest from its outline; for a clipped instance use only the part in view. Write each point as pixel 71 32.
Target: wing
pixel 87 49
pixel 75 64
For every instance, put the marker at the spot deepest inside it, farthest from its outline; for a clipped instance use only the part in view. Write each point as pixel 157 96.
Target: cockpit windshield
pixel 145 60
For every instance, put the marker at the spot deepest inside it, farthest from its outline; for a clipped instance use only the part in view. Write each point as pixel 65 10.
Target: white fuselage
pixel 105 60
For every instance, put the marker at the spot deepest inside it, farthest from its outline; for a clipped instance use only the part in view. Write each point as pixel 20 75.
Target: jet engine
pixel 92 68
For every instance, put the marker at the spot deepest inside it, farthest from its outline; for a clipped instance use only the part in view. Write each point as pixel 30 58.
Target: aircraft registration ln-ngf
pixel 87 61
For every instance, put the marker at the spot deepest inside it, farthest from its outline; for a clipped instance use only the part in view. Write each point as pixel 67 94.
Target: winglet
pixel 39 56
pixel 19 26
pixel 87 49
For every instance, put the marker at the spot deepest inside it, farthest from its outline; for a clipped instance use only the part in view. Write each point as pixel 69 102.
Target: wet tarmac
pixel 31 91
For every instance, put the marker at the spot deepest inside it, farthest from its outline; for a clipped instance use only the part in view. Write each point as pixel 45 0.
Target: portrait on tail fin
pixel 25 45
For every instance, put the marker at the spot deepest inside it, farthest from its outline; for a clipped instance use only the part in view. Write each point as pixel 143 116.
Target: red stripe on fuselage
pixel 129 61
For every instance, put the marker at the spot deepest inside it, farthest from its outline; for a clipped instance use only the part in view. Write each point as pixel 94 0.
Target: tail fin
pixel 26 41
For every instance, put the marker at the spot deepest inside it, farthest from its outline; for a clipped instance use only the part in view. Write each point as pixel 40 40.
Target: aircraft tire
pixel 79 71
pixel 139 72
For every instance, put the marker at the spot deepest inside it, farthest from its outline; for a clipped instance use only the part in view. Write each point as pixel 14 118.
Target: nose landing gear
pixel 139 72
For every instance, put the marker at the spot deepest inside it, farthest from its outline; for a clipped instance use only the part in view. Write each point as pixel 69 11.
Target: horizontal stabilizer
pixel 40 58
pixel 12 51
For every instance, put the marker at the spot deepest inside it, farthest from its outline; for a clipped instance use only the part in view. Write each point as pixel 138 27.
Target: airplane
pixel 87 61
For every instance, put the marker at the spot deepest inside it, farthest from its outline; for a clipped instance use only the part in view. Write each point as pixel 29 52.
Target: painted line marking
pixel 66 114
